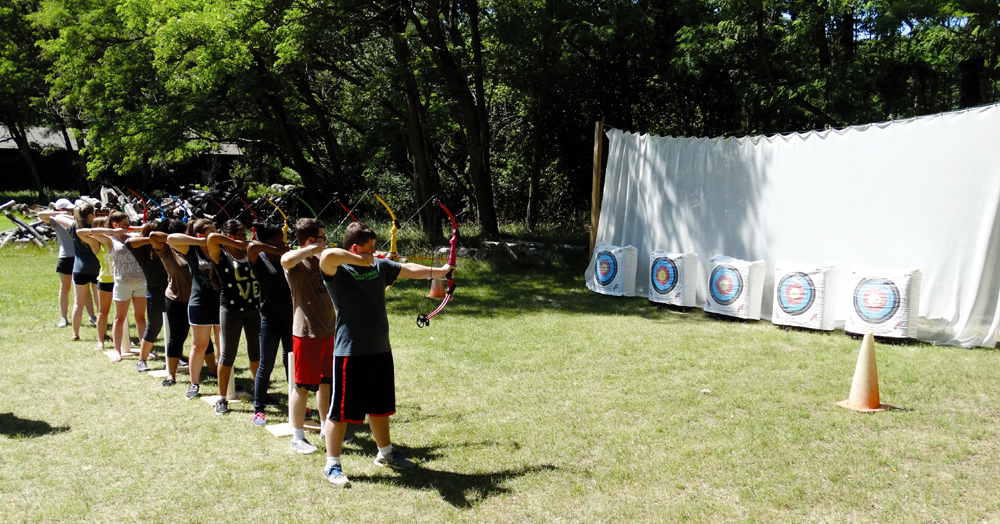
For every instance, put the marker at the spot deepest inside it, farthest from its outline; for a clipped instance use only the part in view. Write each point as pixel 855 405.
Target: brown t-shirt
pixel 313 315
pixel 178 276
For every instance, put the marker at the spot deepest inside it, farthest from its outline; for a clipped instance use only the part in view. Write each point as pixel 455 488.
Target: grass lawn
pixel 528 399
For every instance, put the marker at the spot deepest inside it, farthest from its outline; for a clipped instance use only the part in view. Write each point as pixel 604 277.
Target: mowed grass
pixel 529 399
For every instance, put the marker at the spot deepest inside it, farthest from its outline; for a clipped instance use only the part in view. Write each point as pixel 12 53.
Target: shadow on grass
pixel 13 427
pixel 461 490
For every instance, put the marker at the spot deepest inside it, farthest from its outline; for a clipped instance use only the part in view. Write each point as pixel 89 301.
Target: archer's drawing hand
pixel 367 259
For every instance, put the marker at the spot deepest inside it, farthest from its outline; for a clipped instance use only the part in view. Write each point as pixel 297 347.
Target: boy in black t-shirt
pixel 363 382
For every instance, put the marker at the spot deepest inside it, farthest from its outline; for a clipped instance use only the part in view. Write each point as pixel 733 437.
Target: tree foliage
pixel 488 104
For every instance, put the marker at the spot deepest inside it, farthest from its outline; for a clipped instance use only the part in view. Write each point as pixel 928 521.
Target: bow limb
pixel 284 228
pixel 425 320
pixel 393 253
pixel 223 208
pixel 311 210
pixel 145 207
pixel 183 207
pixel 252 213
pixel 348 210
pixel 163 212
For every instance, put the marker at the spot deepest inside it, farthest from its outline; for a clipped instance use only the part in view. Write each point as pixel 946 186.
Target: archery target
pixel 664 275
pixel 884 305
pixel 725 285
pixel 796 293
pixel 613 270
pixel 673 278
pixel 876 300
pixel 735 287
pixel 607 268
pixel 802 297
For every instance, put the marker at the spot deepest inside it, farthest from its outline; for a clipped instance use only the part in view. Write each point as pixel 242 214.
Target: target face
pixel 663 275
pixel 725 284
pixel 876 300
pixel 796 293
pixel 607 268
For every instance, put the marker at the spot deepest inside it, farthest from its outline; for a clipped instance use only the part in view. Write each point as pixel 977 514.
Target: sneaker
pixel 336 476
pixel 62 323
pixel 141 366
pixel 182 362
pixel 259 419
pixel 93 321
pixel 192 391
pixel 395 461
pixel 312 414
pixel 167 382
pixel 221 406
pixel 302 446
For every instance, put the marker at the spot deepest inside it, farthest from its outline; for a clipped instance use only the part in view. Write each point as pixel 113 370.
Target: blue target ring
pixel 796 293
pixel 876 300
pixel 663 275
pixel 725 284
pixel 607 268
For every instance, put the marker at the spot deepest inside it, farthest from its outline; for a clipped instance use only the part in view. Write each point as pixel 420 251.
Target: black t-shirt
pixel 203 293
pixel 275 297
pixel 151 266
pixel 358 293
pixel 240 291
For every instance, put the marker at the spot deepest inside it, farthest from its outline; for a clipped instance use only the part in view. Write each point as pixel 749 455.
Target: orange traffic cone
pixel 864 388
pixel 437 288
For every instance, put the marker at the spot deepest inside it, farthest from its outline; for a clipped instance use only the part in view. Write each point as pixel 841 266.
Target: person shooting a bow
pixel 363 377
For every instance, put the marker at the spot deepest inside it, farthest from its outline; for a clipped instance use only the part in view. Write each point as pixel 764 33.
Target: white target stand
pixel 614 270
pixel 735 287
pixel 804 297
pixel 885 306
pixel 673 278
pixel 286 429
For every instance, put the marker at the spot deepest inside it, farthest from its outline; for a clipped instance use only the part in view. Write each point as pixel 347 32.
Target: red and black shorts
pixel 313 361
pixel 362 385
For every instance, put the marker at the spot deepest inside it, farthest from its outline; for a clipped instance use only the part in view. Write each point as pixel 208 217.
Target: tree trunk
pixel 299 161
pixel 21 139
pixel 537 126
pixel 425 177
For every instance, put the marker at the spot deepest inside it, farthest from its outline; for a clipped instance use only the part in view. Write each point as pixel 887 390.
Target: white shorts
pixel 129 289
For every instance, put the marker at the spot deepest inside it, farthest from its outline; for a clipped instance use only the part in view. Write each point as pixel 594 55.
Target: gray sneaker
pixel 395 461
pixel 141 366
pixel 221 406
pixel 192 391
pixel 302 446
pixel 336 476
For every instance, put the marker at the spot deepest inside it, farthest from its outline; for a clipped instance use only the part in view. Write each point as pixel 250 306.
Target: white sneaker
pixel 302 446
pixel 336 476
pixel 62 323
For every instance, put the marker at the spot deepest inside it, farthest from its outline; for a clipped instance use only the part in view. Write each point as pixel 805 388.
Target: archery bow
pixel 425 320
pixel 284 228
pixel 311 210
pixel 163 213
pixel 145 207
pixel 392 254
pixel 183 207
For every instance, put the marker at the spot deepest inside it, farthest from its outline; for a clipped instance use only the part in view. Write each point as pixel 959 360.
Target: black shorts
pixel 82 279
pixel 363 385
pixel 106 287
pixel 64 266
pixel 203 315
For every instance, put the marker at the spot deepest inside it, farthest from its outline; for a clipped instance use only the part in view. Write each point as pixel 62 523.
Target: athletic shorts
pixel 107 287
pixel 64 266
pixel 313 361
pixel 129 289
pixel 203 315
pixel 82 279
pixel 362 385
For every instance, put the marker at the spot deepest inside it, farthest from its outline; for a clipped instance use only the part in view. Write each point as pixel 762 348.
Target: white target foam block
pixel 735 287
pixel 804 297
pixel 614 271
pixel 885 306
pixel 673 278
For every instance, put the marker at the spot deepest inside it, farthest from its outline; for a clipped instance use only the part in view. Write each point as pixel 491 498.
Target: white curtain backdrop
pixel 921 193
